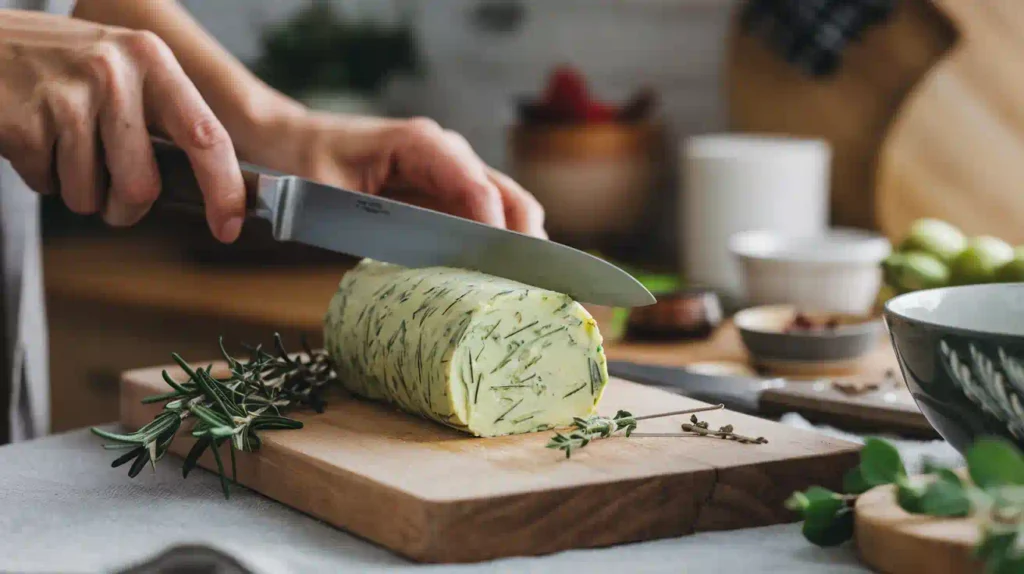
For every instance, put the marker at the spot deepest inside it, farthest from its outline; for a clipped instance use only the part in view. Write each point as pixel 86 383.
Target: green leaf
pixel 909 496
pixel 880 462
pixel 995 462
pixel 121 460
pixel 170 382
pixel 129 439
pixel 210 417
pixel 854 483
pixel 797 502
pixel 192 459
pixel 945 496
pixel 139 464
pixel 828 520
pixel 120 446
pixel 161 398
pixel 220 469
pixel 838 530
pixel 992 544
pixel 221 432
pixel 997 551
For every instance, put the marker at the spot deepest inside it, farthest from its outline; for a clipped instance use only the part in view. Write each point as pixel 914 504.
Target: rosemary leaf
pixel 193 455
pixel 234 409
pixel 119 446
pixel 130 439
pixel 121 460
pixel 140 463
pixel 220 468
pixel 172 384
pixel 161 398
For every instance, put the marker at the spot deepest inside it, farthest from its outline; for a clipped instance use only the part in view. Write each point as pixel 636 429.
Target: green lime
pixel 914 270
pixel 980 260
pixel 936 237
pixel 1012 272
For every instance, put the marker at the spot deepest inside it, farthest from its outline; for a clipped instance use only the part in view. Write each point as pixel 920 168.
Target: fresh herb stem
pixel 586 430
pixel 234 409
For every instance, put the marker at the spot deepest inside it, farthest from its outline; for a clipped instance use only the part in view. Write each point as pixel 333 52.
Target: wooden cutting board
pixel 436 495
pixel 892 541
pixel 925 115
pixel 854 109
pixel 956 148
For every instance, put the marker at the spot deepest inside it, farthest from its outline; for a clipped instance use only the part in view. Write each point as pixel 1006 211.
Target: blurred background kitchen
pixel 653 131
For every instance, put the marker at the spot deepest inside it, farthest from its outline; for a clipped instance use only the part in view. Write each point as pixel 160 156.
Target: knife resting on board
pixel 884 410
pixel 378 228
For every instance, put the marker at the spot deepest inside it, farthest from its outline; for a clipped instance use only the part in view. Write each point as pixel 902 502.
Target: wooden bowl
pixel 594 181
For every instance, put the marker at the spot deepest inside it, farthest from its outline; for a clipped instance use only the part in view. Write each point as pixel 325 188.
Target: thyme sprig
pixel 596 426
pixel 253 397
pixel 700 428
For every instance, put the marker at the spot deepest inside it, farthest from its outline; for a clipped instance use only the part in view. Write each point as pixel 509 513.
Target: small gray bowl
pixel 961 350
pixel 762 330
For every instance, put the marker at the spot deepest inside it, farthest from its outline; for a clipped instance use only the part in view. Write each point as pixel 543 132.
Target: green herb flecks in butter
pixel 482 354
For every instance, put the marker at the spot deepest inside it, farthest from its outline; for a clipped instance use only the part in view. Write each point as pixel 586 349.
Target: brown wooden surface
pixel 853 110
pixel 956 151
pixel 436 495
pixel 894 542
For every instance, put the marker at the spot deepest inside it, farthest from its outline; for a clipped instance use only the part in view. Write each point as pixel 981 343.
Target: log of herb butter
pixel 485 355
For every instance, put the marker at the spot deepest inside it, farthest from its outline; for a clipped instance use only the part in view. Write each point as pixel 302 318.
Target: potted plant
pixel 333 63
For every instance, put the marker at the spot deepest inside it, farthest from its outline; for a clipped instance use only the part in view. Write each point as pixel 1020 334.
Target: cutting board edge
pixel 428 526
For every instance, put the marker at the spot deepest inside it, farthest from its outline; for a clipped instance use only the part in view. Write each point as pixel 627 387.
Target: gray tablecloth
pixel 63 509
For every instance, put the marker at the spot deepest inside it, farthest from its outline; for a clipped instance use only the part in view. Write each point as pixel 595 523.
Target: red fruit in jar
pixel 566 94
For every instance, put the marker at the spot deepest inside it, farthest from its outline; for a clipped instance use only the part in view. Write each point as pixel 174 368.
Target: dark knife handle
pixel 741 394
pixel 179 187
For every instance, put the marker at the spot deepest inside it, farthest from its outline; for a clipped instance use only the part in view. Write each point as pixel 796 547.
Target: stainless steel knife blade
pixel 386 230
pixel 741 394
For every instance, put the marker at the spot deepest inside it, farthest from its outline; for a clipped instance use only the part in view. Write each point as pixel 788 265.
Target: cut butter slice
pixel 486 355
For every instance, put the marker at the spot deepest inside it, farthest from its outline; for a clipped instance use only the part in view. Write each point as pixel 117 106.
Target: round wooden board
pixel 892 541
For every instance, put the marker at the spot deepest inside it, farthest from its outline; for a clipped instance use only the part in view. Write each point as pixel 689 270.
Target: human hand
pixel 415 161
pixel 77 102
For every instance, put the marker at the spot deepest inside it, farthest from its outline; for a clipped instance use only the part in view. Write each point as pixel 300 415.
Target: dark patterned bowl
pixel 961 350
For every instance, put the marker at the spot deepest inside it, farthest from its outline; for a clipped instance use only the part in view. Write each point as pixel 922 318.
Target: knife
pixel 741 394
pixel 374 227
pixel 890 410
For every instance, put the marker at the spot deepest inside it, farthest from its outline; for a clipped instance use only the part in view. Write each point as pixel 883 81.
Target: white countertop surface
pixel 63 509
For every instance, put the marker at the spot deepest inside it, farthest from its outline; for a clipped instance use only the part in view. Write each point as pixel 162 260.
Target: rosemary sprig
pixel 596 426
pixel 253 397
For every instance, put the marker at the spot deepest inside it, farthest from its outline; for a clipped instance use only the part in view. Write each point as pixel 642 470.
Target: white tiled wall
pixel 474 75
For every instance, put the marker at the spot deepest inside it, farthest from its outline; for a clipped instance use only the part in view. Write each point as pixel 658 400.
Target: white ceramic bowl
pixel 837 271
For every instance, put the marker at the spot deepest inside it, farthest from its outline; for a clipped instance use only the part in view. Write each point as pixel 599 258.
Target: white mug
pixel 738 182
